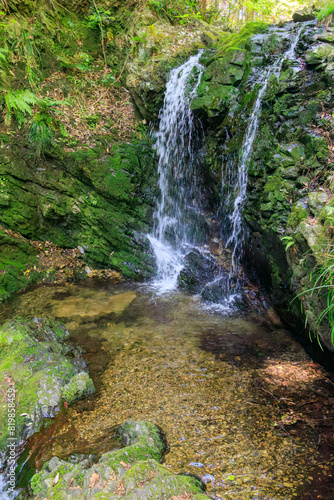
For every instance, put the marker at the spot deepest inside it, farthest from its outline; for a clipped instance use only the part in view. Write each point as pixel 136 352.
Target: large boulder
pixel 300 16
pixel 35 363
pixel 322 53
pixel 132 472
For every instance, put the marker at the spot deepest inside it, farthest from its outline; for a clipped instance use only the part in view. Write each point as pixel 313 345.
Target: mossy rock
pixel 92 198
pixel 224 72
pixel 213 99
pixel 298 213
pixel 17 265
pixel 320 54
pixel 132 472
pixel 34 360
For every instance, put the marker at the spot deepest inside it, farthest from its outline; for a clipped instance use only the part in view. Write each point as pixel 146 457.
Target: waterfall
pixel 235 241
pixel 177 218
pixel 178 147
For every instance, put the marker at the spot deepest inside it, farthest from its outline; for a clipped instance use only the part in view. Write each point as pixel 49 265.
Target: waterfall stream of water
pixel 236 239
pixel 177 145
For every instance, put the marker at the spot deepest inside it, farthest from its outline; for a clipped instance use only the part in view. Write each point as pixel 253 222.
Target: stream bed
pixel 228 389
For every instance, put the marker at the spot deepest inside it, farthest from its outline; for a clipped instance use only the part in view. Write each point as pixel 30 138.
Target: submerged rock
pixel 92 306
pixel 132 472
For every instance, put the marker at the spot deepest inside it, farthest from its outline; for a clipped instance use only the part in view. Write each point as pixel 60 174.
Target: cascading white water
pixel 235 241
pixel 177 143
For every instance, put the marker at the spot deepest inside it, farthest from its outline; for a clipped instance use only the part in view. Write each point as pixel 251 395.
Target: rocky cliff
pixel 289 206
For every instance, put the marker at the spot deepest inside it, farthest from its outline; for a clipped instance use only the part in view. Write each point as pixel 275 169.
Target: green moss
pixel 239 40
pixel 33 357
pixel 315 146
pixel 95 200
pixel 173 486
pixel 17 262
pixel 79 386
pixel 308 114
pixel 36 484
pixel 214 98
pixel 298 213
pixel 143 472
pixel 277 188
pixel 139 451
pixel 146 477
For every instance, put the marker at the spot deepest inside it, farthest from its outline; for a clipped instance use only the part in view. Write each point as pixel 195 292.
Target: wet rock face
pixel 290 159
pixel 198 271
pixel 101 200
pixel 218 290
pixel 35 362
pixel 132 472
pixel 16 256
pixel 203 275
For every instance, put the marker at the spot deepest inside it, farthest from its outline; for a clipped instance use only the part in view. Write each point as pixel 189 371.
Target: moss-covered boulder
pixel 322 53
pixel 300 16
pixel 132 472
pixel 42 369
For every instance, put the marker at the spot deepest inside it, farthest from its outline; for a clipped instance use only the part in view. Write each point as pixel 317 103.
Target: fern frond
pixel 20 104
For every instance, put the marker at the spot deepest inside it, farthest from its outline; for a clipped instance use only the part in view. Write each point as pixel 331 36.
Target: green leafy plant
pixel 41 133
pixel 289 241
pixel 43 125
pixel 158 5
pixel 326 11
pixel 322 288
pixel 24 104
pixel 177 11
pixel 19 103
pixel 19 47
pixel 101 19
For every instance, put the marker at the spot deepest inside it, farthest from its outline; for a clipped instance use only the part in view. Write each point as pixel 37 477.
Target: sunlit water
pixel 196 373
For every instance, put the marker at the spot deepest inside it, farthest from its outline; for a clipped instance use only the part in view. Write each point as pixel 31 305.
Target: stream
pixel 214 383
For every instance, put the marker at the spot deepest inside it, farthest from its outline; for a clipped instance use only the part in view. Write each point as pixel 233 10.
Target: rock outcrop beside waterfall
pixel 290 184
pixel 289 192
pixel 99 192
pixel 100 199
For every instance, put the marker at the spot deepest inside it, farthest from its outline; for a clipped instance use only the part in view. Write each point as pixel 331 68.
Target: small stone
pixel 89 271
